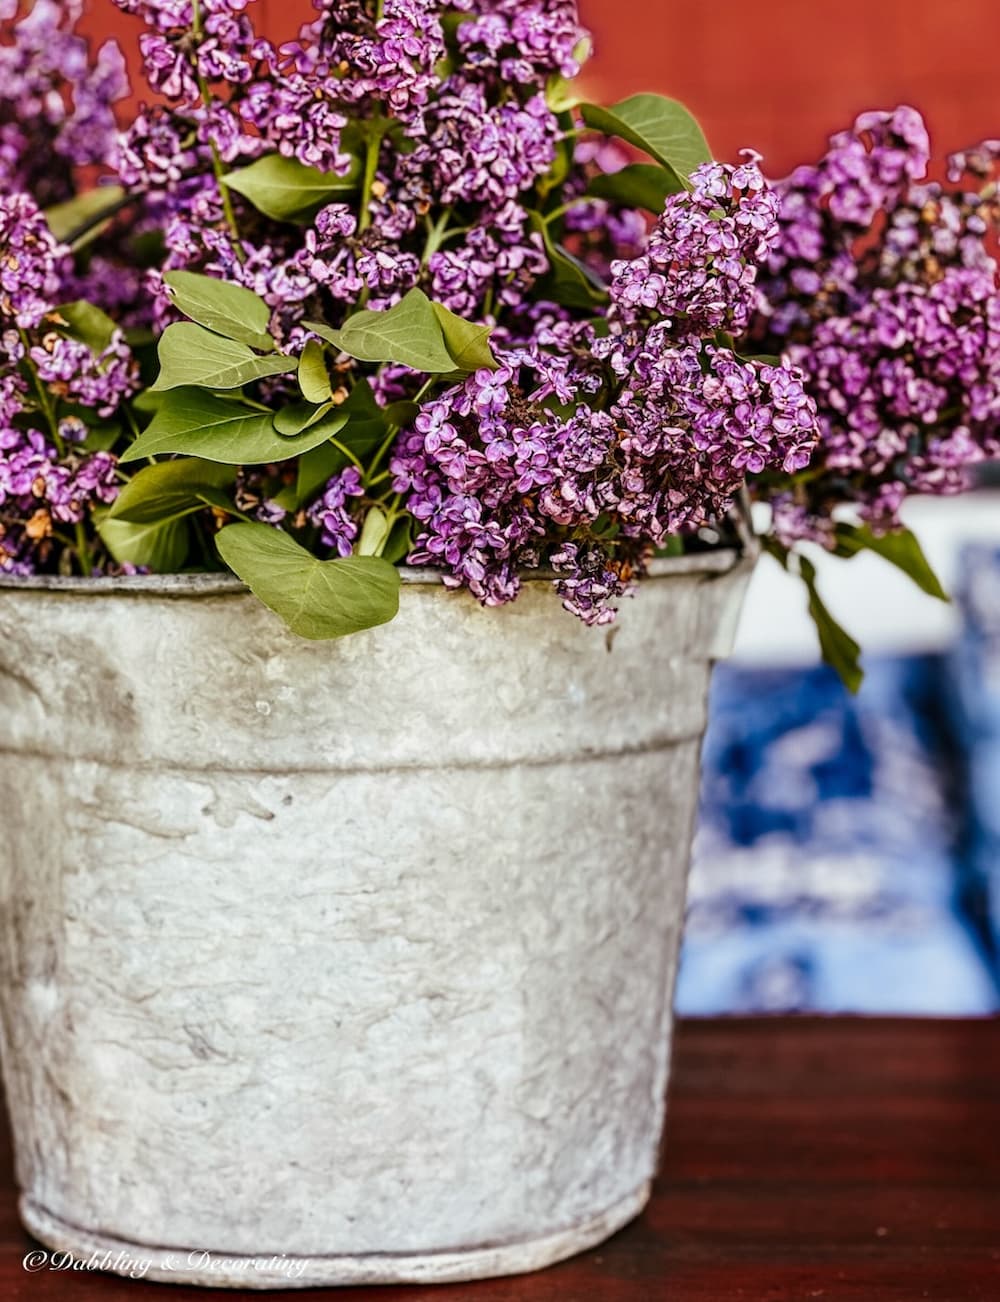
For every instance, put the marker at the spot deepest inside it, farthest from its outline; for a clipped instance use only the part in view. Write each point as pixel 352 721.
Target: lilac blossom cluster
pixel 882 288
pixel 342 97
pixel 704 253
pixel 49 479
pixel 56 104
pixel 616 417
pixel 512 469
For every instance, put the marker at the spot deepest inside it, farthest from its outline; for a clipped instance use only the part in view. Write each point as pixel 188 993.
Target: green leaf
pixel 161 547
pixel 374 532
pixel 83 214
pixel 562 93
pixel 408 334
pixel 191 355
pixel 287 190
pixel 173 488
pixel 362 404
pixel 569 282
pixel 367 426
pixel 839 649
pixel 673 546
pixel 400 541
pixel 468 344
pixel 299 416
pixel 640 185
pixel 314 379
pixel 899 548
pixel 229 310
pixel 562 164
pixel 401 413
pixel 195 423
pixel 763 359
pixel 316 599
pixel 83 321
pixel 659 126
pixel 148 403
pixel 102 437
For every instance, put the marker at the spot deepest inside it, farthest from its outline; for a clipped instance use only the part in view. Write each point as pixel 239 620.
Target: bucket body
pixel 344 962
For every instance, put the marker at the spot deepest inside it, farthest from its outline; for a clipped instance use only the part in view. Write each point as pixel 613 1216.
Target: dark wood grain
pixel 845 1160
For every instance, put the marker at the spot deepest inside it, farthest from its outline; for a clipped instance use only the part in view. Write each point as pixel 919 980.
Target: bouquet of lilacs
pixel 393 293
pixel 388 293
pixel 881 287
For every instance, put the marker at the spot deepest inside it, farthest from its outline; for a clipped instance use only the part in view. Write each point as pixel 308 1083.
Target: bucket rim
pixel 715 561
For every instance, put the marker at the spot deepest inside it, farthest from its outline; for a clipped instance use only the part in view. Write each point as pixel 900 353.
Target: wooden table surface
pixel 805 1158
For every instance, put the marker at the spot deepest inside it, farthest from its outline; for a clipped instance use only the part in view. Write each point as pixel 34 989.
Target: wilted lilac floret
pixel 589 583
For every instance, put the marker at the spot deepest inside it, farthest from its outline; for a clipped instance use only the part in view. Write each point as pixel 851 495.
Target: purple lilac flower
pixel 56 105
pixel 39 489
pixel 882 289
pixel 32 263
pixel 255 490
pixel 71 371
pixel 155 151
pixel 46 478
pixel 579 452
pixel 331 512
pixel 343 60
pixel 701 265
pixel 522 41
pixel 474 148
pixel 498 263
pixel 590 582
pixel 493 475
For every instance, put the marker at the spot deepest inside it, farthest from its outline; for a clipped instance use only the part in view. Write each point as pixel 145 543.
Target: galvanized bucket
pixel 346 962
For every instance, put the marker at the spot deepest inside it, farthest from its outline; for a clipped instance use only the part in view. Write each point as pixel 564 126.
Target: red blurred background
pixel 778 76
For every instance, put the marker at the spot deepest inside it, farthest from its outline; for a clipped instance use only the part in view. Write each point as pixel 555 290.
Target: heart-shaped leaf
pixel 374 532
pixel 838 648
pixel 191 355
pixel 299 416
pixel 229 310
pixel 568 280
pixel 316 599
pixel 194 423
pixel 467 343
pixel 287 190
pixel 102 436
pixel 900 548
pixel 84 214
pixel 660 127
pixel 173 488
pixel 640 185
pixel 409 334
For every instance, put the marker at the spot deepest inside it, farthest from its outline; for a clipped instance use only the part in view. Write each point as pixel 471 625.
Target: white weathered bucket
pixel 342 962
